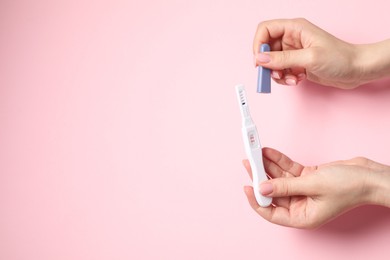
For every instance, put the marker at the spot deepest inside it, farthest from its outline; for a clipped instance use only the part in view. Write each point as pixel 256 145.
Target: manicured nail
pixel 275 75
pixel 291 82
pixel 263 57
pixel 266 188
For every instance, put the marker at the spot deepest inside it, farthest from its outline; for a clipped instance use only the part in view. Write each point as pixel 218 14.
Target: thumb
pixel 285 187
pixel 279 60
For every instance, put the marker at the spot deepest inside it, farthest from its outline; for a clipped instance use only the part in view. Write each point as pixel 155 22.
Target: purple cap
pixel 264 74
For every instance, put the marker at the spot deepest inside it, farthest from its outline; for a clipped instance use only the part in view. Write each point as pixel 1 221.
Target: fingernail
pixel 291 82
pixel 301 76
pixel 266 188
pixel 254 61
pixel 275 75
pixel 263 57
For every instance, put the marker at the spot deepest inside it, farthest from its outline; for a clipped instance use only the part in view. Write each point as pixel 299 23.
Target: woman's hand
pixel 302 50
pixel 307 197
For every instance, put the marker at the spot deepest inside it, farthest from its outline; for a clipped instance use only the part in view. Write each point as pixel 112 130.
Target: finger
pixel 273 171
pixel 280 77
pixel 287 80
pixel 301 76
pixel 277 74
pixel 291 80
pixel 287 187
pixel 284 202
pixel 248 168
pixel 276 215
pixel 251 197
pixel 268 30
pixel 281 34
pixel 271 168
pixel 309 170
pixel 284 162
pixel 276 44
pixel 279 60
pixel 280 81
pixel 297 71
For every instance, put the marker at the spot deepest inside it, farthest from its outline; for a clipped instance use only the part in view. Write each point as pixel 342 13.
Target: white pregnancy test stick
pixel 252 147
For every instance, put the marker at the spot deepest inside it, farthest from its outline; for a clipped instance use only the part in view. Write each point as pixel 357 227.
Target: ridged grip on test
pixel 264 74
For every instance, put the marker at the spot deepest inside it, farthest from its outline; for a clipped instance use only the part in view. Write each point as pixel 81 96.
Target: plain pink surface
pixel 120 131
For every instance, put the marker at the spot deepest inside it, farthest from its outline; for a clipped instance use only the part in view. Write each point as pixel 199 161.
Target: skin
pixel 301 50
pixel 305 196
pixel 310 196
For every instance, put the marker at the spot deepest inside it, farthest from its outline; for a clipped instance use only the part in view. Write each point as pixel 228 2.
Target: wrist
pixel 371 61
pixel 379 188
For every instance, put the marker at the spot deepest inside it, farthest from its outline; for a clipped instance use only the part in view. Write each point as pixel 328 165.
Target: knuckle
pixel 285 56
pixel 312 57
pixel 283 188
pixel 300 20
pixel 360 160
pixel 281 61
pixel 261 25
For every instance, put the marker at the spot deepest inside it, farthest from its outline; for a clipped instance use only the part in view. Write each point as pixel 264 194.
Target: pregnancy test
pixel 252 147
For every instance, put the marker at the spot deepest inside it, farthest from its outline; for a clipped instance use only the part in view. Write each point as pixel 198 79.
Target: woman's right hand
pixel 308 197
pixel 302 50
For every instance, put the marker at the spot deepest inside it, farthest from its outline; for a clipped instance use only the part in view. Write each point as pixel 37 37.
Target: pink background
pixel 120 131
